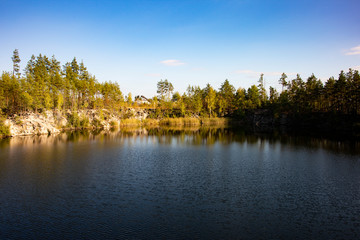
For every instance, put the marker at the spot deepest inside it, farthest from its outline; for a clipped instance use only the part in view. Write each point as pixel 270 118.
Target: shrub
pixel 4 129
pixel 74 120
pixel 101 115
pixel 96 123
pixel 114 124
pixel 84 122
pixel 18 120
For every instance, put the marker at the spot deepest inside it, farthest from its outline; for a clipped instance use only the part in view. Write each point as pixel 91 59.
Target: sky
pixel 188 42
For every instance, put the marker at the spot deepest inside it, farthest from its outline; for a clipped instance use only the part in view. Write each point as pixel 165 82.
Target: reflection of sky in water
pixel 198 183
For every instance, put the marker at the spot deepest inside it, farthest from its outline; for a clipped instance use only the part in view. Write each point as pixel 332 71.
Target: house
pixel 140 100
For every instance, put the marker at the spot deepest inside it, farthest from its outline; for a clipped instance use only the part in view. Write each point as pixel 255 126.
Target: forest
pixel 45 84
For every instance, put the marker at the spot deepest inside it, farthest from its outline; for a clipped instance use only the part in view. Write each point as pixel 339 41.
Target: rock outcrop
pixel 53 122
pixel 33 123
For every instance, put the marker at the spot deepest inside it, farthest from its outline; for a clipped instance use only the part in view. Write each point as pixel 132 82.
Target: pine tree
pixel 16 61
pixel 262 90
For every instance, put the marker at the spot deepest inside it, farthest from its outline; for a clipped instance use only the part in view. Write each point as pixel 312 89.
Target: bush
pixel 4 129
pixel 74 120
pixel 84 122
pixel 18 120
pixel 114 124
pixel 96 123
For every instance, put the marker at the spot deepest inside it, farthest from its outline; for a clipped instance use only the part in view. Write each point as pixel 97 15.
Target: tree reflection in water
pixel 206 136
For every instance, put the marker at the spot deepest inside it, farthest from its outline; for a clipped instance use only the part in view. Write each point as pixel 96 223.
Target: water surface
pixel 179 184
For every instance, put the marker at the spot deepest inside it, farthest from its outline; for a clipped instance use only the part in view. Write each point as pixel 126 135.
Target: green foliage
pixel 84 122
pixel 164 89
pixel 114 124
pixel 253 98
pixel 210 99
pixel 262 90
pixel 4 129
pixel 96 123
pixel 101 115
pixel 73 120
pixel 16 61
pixel 48 85
pixel 226 98
pixel 129 100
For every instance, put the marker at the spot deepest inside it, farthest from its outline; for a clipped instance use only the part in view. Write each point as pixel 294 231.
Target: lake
pixel 192 183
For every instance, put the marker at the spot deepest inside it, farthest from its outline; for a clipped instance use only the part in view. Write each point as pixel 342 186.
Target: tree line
pixel 46 85
pixel 298 96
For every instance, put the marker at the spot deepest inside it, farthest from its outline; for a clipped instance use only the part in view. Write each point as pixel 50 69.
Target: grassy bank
pixel 180 122
pixel 149 122
pixel 130 122
pixel 214 121
pixel 174 122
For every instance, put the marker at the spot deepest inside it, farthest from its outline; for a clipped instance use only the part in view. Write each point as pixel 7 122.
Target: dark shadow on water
pixel 198 136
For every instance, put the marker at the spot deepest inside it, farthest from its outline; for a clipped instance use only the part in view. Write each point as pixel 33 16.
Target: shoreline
pixel 261 120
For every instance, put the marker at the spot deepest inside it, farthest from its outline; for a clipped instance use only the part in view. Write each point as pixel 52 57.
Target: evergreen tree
pixel 226 95
pixel 253 97
pixel 282 81
pixel 262 90
pixel 16 63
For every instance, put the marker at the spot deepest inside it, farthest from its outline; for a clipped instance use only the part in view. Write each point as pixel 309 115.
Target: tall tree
pixel 262 90
pixel 253 97
pixel 273 95
pixel 282 81
pixel 16 63
pixel 210 98
pixel 164 89
pixel 227 94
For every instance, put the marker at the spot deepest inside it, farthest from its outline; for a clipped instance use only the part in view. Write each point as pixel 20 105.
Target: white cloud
pixel 356 68
pixel 172 62
pixel 354 51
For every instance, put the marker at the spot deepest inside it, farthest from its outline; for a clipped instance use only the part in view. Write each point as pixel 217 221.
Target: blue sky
pixel 136 42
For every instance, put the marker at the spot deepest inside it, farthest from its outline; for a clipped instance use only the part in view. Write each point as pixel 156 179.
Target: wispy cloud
pixel 252 73
pixel 356 68
pixel 353 51
pixel 172 62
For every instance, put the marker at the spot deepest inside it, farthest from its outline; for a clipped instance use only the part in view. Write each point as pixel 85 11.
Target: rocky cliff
pixel 53 122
